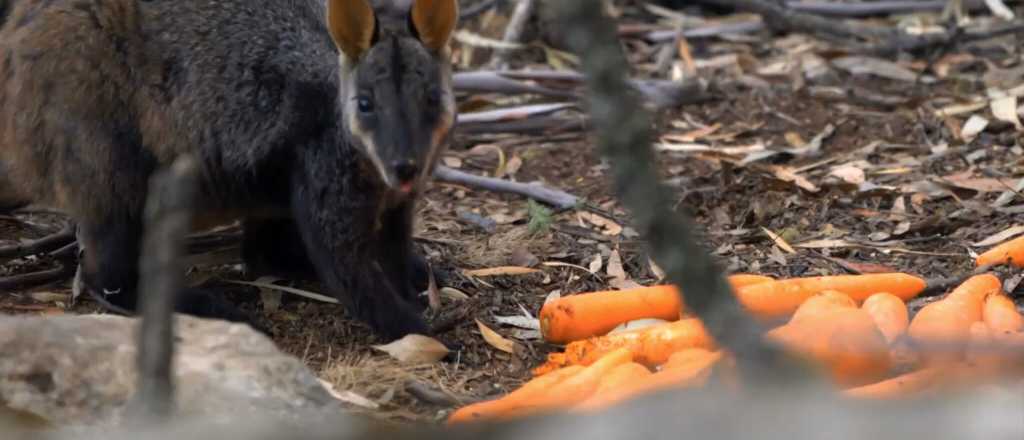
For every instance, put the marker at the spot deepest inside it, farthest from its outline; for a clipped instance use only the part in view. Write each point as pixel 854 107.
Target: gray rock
pixel 80 371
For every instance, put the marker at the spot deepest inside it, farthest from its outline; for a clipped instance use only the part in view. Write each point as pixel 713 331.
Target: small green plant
pixel 540 217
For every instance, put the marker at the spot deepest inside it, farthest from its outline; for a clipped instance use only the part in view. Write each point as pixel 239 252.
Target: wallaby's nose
pixel 405 170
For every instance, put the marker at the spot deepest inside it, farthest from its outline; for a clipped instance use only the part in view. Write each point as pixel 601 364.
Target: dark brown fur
pixel 97 94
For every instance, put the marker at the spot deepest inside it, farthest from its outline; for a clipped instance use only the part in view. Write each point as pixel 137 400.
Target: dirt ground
pixel 891 189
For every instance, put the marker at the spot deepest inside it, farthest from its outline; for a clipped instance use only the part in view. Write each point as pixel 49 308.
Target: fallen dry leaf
pixel 1005 109
pixel 453 294
pixel 500 270
pixel 523 258
pixel 496 340
pixel 973 127
pixel 779 241
pixel 348 396
pixel 859 65
pixel 849 174
pixel 596 264
pixel 415 349
pixel 614 267
pixel 553 295
pixel 53 297
pixel 789 175
pixel 1000 236
pixel 527 322
pixel 608 227
pixel 655 269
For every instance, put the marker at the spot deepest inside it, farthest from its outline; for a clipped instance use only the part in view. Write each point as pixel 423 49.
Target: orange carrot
pixel 584 315
pixel 1007 252
pixel 900 386
pixel 780 298
pixel 621 375
pixel 687 356
pixel 980 351
pixel 738 280
pixel 651 346
pixel 943 328
pixel 846 341
pixel 495 407
pixel 694 372
pixel 823 302
pixel 944 325
pixel 1001 316
pixel 575 388
pixel 889 313
pixel 973 292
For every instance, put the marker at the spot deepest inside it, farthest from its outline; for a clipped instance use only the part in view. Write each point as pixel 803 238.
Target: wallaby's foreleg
pixel 399 258
pixel 110 271
pixel 342 247
pixel 275 247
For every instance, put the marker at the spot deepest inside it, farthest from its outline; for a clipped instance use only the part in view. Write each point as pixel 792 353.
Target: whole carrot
pixel 1001 316
pixel 1007 252
pixel 620 376
pixel 780 298
pixel 651 346
pixel 823 302
pixel 890 314
pixel 942 328
pixel 580 316
pixel 575 388
pixel 973 292
pixel 900 386
pixel 846 341
pixel 694 372
pixel 495 407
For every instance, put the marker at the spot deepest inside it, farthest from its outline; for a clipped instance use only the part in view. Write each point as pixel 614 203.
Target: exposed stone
pixel 80 371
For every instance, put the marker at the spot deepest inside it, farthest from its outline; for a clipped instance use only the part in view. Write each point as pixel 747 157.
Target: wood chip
pixel 498 271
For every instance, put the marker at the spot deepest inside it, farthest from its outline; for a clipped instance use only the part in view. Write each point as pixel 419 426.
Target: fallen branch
pixel 867 9
pixel 661 92
pixel 536 191
pixel 168 217
pixel 863 39
pixel 32 279
pixel 48 243
pixel 514 31
pixel 479 8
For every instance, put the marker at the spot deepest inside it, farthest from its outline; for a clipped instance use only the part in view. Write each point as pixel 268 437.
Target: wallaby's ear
pixel 434 21
pixel 352 25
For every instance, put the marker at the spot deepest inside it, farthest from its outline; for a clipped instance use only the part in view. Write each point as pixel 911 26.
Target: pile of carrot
pixel 856 328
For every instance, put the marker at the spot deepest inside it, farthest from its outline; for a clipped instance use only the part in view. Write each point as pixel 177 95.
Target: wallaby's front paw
pixel 396 320
pixel 203 304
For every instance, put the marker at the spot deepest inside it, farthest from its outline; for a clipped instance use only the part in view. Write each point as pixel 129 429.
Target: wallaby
pixel 316 122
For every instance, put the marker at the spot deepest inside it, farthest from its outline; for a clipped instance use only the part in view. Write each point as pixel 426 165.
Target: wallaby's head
pixel 396 94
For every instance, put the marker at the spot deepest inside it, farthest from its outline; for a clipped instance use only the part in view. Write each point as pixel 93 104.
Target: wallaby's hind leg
pixel 110 271
pixel 110 260
pixel 274 247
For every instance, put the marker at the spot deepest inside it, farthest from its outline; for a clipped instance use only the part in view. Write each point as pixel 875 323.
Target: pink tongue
pixel 405 188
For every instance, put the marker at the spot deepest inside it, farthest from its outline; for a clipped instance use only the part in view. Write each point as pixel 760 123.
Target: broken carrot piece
pixel 1011 252
pixel 900 386
pixel 1002 316
pixel 651 346
pixel 574 389
pixel 694 371
pixel 890 314
pixel 495 407
pixel 621 375
pixel 943 327
pixel 584 315
pixel 780 298
pixel 844 340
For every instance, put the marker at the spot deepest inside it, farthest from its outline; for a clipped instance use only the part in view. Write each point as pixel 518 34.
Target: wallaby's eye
pixel 364 104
